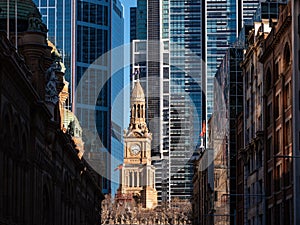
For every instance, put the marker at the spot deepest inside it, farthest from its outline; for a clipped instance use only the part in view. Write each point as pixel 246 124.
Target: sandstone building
pixel 252 152
pixel 278 112
pixel 137 173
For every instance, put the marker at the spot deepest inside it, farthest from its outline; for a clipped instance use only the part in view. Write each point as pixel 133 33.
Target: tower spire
pixel 138 109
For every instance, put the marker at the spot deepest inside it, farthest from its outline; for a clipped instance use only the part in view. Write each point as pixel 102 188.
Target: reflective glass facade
pixel 99 82
pixel 172 78
pixel 228 103
pixel 118 93
pixel 223 22
pixel 185 32
pixel 141 22
pixel 57 15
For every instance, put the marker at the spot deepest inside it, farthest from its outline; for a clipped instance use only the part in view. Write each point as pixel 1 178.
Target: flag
pixel 119 167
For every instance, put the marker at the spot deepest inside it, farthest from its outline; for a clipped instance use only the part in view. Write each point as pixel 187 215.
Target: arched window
pixel 134 111
pixel 139 111
pixel 287 56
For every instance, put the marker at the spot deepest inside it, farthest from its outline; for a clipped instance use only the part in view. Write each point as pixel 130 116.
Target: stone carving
pixel 71 128
pixel 51 79
pixel 36 24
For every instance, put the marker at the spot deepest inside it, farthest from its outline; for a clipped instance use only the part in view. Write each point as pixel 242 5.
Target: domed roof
pixel 137 92
pixel 26 9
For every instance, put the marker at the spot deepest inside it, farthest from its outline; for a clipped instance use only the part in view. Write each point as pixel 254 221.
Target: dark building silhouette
pixel 240 159
pixel 44 180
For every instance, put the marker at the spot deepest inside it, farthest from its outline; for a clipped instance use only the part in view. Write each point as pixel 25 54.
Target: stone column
pixel 122 177
pixel 127 178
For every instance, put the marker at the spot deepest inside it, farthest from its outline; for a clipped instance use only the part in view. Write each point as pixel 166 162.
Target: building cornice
pixel 274 37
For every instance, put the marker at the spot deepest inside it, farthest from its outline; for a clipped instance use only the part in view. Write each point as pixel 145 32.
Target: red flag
pixel 203 129
pixel 119 167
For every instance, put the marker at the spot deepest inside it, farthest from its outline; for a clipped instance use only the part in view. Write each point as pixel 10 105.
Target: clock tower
pixel 137 174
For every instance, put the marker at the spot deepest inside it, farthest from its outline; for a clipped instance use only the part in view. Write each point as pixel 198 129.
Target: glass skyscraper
pixel 169 52
pixel 224 21
pixel 59 17
pixel 85 32
pixel 186 106
pixel 118 93
pixel 99 28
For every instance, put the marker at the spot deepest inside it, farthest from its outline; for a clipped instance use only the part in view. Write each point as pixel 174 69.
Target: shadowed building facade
pixel 44 180
pixel 278 126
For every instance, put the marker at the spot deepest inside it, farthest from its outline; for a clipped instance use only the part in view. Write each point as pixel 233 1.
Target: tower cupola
pixel 138 109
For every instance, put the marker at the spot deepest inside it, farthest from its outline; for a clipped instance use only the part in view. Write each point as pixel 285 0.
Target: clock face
pixel 135 149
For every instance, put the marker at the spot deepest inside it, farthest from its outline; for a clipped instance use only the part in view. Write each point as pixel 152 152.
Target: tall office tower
pixel 118 92
pixel 223 23
pixel 186 106
pixel 168 50
pixel 99 82
pixel 133 23
pixel 59 17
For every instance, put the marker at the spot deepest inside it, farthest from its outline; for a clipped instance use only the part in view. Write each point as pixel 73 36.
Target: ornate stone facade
pixel 265 159
pixel 43 179
pixel 253 122
pixel 278 127
pixel 177 212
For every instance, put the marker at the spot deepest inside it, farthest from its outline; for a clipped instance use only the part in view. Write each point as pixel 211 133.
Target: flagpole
pixel 138 72
pixel 7 21
pixel 133 79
